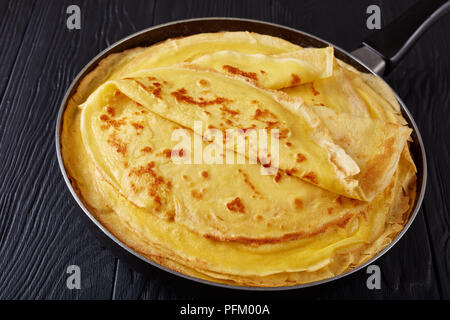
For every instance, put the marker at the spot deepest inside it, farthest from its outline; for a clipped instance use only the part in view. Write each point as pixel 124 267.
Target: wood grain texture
pixel 41 227
pixel 12 33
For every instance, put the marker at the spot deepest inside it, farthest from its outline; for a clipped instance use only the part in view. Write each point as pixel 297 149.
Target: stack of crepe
pixel 344 183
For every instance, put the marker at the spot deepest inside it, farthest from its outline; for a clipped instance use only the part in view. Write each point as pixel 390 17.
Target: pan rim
pixel 94 61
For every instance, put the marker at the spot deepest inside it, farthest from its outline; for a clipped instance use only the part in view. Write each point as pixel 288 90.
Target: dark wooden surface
pixel 41 228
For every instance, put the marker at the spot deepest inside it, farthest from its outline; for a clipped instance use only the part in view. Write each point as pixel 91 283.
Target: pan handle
pixel 383 49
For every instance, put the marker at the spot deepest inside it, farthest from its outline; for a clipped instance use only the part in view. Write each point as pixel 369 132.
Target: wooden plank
pixel 12 32
pixel 343 23
pixel 41 230
pixel 172 10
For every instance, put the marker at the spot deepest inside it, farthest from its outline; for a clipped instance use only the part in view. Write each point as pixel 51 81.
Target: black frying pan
pixel 378 55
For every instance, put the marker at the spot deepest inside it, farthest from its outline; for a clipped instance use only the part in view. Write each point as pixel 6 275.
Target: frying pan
pixel 378 55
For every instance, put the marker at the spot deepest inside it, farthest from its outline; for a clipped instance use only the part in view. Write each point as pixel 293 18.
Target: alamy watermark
pixel 374 19
pixel 74 279
pixel 242 146
pixel 374 280
pixel 74 19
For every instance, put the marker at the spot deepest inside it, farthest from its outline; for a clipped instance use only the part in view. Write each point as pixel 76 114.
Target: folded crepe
pixel 331 189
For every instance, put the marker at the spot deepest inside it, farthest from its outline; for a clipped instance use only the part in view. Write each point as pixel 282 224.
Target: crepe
pixel 332 185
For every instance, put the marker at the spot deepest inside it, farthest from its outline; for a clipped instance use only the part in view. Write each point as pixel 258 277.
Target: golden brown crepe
pixel 338 190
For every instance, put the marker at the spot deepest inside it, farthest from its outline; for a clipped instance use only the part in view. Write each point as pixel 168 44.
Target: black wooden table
pixel 41 228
